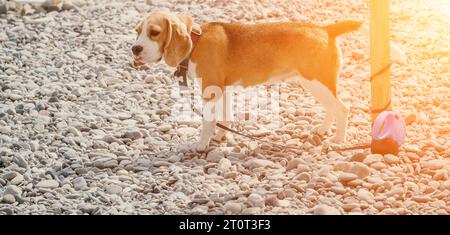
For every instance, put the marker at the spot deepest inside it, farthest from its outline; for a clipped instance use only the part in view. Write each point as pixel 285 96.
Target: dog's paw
pixel 338 139
pixel 199 147
pixel 320 130
pixel 184 148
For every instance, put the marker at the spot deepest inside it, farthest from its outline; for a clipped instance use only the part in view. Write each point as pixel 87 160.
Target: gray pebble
pixel 8 198
pixel 79 183
pixel 20 161
pixel 13 190
pixel 17 180
pixel 136 134
pixel 113 189
pixel 48 184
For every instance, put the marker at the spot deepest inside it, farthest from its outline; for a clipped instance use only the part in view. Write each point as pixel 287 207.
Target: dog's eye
pixel 154 33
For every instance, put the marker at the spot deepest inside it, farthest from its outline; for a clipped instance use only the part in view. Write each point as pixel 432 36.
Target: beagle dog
pixel 227 54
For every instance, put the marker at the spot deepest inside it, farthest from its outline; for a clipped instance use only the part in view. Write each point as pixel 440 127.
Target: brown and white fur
pixel 250 54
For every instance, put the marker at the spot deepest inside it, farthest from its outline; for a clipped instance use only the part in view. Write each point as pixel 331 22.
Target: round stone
pixel 113 189
pixel 345 177
pixel 48 184
pixel 215 156
pixel 255 200
pixel 326 210
pixel 361 170
pixel 8 198
pixel 233 207
pixel 224 165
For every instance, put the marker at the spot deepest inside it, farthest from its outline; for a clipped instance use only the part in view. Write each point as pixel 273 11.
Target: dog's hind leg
pixel 334 109
pixel 342 113
pixel 325 97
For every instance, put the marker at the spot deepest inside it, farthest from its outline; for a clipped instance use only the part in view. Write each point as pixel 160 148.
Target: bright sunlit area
pixel 90 120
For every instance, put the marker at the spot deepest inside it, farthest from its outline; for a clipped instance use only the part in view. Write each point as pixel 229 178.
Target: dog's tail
pixel 342 27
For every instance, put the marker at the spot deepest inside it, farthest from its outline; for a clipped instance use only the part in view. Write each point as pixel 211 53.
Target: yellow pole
pixel 380 56
pixel 380 69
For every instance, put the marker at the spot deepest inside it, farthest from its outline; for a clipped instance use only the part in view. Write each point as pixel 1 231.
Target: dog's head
pixel 162 34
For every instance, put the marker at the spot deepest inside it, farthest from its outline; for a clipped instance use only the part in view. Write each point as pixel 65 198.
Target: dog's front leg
pixel 225 113
pixel 208 128
pixel 211 97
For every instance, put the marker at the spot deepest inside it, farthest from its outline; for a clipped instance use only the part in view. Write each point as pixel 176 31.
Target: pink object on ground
pixel 390 125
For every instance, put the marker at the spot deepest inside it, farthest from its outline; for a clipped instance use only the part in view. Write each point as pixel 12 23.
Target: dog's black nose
pixel 137 49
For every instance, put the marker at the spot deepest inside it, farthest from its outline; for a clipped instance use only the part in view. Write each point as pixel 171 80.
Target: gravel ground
pixel 83 133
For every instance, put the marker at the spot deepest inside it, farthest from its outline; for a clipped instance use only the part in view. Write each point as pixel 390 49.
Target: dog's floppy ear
pixel 186 21
pixel 138 27
pixel 178 42
pixel 190 25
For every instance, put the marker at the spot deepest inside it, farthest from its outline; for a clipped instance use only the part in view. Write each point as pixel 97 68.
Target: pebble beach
pixel 82 132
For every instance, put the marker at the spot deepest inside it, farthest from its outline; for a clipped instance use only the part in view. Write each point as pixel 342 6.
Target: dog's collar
pixel 183 67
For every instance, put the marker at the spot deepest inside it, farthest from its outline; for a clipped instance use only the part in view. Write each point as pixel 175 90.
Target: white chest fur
pixel 192 68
